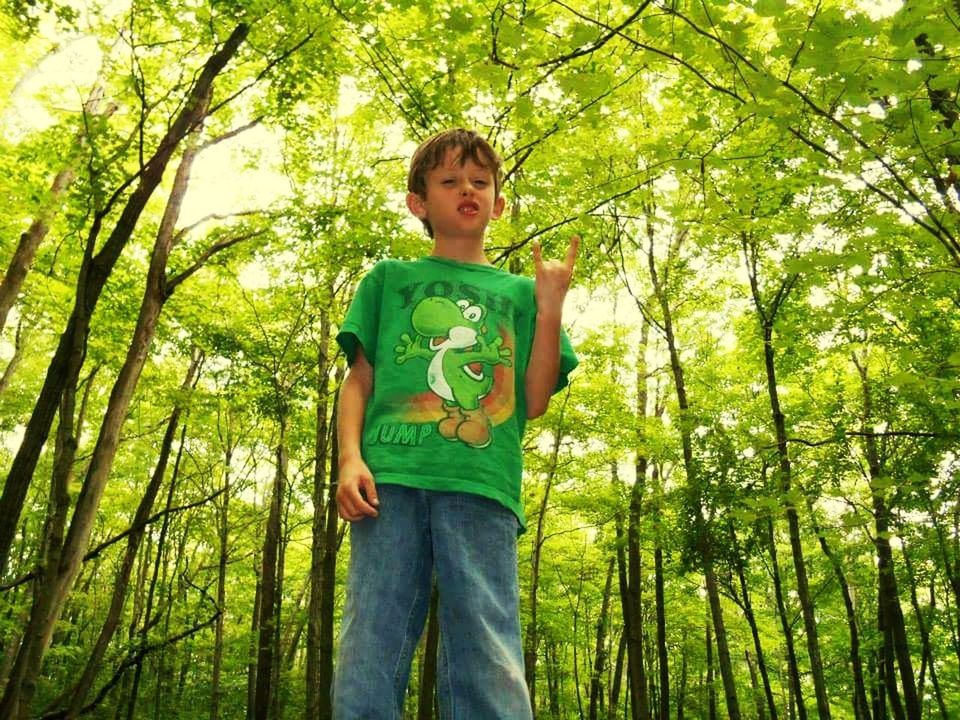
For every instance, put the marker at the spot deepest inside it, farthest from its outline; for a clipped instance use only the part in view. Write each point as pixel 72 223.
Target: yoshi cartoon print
pixel 452 345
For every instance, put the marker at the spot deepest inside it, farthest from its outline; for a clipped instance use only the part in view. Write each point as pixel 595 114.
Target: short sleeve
pixel 359 328
pixel 568 361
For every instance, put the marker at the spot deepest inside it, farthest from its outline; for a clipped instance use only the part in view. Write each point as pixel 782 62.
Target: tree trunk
pixel 767 691
pixel 711 690
pixel 928 654
pixel 53 592
pixel 629 575
pixel 223 537
pixel 793 670
pixel 64 367
pixel 600 652
pixel 320 462
pixel 861 707
pixel 613 705
pixel 328 576
pixel 682 690
pixel 693 482
pixel 80 690
pixel 888 594
pixel 266 644
pixel 150 619
pixel 19 345
pixel 428 672
pixel 758 698
pixel 531 640
pixel 767 318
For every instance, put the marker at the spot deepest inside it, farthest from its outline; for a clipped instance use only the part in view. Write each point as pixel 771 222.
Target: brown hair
pixel 432 151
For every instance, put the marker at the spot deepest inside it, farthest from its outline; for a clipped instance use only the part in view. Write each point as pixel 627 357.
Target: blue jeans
pixel 470 542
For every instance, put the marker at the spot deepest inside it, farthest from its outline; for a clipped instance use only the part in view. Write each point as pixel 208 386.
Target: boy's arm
pixel 552 282
pixel 356 490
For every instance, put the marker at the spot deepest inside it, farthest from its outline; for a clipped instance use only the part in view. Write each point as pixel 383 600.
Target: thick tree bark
pixel 64 367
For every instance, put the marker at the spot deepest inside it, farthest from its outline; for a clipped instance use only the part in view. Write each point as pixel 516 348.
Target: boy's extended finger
pixel 537 252
pixel 572 250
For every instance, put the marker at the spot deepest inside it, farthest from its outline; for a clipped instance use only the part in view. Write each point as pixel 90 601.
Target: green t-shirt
pixel 449 343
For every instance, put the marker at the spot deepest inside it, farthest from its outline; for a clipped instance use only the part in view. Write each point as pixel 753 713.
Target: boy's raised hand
pixel 553 276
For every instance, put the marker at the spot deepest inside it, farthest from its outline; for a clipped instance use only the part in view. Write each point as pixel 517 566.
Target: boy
pixel 449 356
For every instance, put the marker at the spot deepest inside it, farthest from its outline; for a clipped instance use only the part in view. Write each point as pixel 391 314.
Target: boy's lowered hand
pixel 356 491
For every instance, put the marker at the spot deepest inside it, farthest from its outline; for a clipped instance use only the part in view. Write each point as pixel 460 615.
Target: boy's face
pixel 460 200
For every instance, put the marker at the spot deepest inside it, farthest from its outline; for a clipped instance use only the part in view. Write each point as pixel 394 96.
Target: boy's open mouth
pixel 468 208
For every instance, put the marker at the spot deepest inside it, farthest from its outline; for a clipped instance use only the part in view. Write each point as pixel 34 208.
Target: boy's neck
pixel 465 251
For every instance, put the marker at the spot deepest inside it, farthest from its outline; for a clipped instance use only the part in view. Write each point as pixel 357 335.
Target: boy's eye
pixel 479 182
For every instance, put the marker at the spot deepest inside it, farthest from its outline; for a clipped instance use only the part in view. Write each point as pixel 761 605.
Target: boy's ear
pixel 415 205
pixel 498 205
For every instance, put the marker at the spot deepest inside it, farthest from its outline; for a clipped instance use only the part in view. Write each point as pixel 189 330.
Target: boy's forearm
pixel 354 394
pixel 543 368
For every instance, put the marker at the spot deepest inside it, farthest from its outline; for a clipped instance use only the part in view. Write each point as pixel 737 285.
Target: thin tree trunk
pixel 64 367
pixel 889 595
pixel 328 576
pixel 19 345
pixel 662 655
pixel 600 652
pixel 693 482
pixel 711 690
pixel 254 625
pixel 928 653
pixel 630 576
pixel 531 640
pixel 268 594
pixel 78 694
pixel 767 691
pixel 861 707
pixel 320 463
pixel 55 588
pixel 758 699
pixel 149 620
pixel 428 672
pixel 793 670
pixel 682 690
pixel 767 318
pixel 223 536
pixel 613 705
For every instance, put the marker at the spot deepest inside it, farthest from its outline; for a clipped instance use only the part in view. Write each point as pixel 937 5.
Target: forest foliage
pixel 744 505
